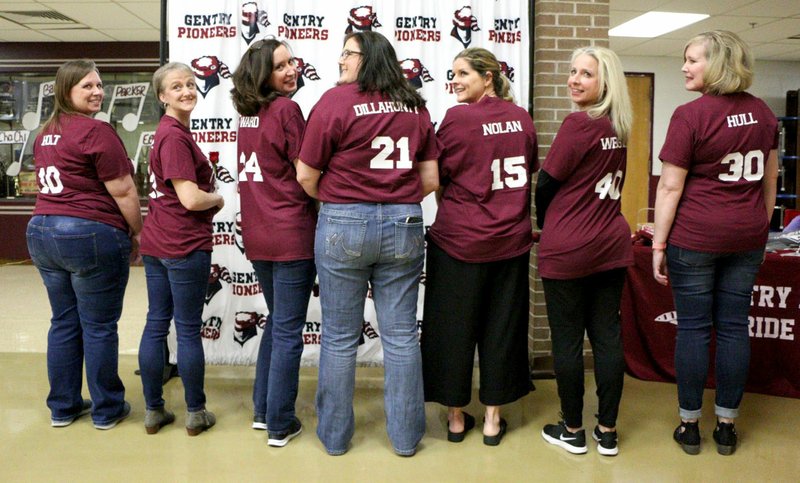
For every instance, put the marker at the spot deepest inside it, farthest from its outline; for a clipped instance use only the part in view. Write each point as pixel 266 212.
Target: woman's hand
pixel 660 266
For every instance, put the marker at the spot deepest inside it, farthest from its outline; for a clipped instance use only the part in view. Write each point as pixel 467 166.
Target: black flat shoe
pixel 469 423
pixel 495 440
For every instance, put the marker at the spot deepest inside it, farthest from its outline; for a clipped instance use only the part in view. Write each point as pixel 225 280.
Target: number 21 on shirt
pixel 387 145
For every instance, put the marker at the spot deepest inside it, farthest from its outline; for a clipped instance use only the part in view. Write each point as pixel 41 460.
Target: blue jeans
pixel 712 291
pixel 287 289
pixel 176 287
pixel 357 244
pixel 84 265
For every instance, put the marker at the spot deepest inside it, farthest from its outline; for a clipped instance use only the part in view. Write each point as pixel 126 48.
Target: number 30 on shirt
pixel 749 166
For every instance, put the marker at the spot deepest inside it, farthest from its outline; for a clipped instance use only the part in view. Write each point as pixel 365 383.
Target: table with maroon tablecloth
pixel 648 326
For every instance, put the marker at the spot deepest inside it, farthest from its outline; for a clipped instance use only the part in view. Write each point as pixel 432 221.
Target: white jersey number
pixel 50 181
pixel 250 166
pixel 750 166
pixel 514 167
pixel 154 193
pixel 387 145
pixel 609 186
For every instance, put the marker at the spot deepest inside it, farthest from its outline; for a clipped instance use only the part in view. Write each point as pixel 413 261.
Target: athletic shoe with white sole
pixel 279 439
pixel 606 442
pixel 559 435
pixel 259 423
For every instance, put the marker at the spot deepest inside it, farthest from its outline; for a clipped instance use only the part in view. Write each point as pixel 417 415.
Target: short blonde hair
pixel 729 62
pixel 613 100
pixel 161 73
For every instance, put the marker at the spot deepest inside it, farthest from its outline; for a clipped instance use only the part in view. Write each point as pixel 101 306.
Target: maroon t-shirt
pixel 724 142
pixel 170 230
pixel 278 217
pixel 367 147
pixel 72 165
pixel 584 231
pixel 488 154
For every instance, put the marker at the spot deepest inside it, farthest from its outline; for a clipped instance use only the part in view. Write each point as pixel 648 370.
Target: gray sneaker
pixel 86 408
pixel 199 421
pixel 126 411
pixel 155 419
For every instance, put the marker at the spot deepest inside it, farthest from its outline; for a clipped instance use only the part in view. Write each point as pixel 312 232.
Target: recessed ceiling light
pixel 653 24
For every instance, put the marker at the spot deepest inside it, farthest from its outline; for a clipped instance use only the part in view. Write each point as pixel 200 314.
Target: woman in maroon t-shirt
pixel 84 229
pixel 278 220
pixel 585 245
pixel 476 293
pixel 713 205
pixel 176 244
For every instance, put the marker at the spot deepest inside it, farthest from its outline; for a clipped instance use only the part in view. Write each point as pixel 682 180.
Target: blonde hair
pixel 160 74
pixel 613 100
pixel 482 61
pixel 729 66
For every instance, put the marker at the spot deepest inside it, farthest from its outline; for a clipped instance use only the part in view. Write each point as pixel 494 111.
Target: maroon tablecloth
pixel 648 326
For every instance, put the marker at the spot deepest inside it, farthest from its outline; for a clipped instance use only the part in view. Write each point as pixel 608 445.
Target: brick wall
pixel 559 28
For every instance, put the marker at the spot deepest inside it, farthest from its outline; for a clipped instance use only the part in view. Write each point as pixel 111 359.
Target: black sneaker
pixel 280 439
pixel 725 436
pixel 606 442
pixel 688 436
pixel 260 423
pixel 558 435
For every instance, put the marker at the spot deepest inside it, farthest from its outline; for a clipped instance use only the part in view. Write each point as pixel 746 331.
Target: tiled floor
pixel 30 450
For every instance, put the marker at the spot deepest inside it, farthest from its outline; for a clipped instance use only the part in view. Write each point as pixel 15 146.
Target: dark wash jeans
pixel 84 265
pixel 712 291
pixel 287 289
pixel 176 288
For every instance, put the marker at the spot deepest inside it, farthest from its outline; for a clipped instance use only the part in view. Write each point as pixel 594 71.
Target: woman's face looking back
pixel 350 61
pixel 87 95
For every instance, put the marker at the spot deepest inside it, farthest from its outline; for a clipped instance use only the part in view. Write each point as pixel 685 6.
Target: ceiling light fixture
pixel 653 24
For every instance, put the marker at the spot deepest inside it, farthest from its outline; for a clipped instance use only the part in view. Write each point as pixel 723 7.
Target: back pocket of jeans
pixel 344 238
pixel 409 240
pixel 78 253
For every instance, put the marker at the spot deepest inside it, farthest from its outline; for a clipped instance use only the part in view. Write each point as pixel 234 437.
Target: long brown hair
pixel 67 77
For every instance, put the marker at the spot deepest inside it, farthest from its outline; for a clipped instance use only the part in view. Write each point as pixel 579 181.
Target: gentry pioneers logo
pixel 246 326
pixel 464 23
pixel 208 70
pixel 506 31
pixel 304 71
pixel 302 27
pixel 415 72
pixel 362 19
pixel 507 70
pixel 215 278
pixel 417 28
pixel 252 17
pixel 211 328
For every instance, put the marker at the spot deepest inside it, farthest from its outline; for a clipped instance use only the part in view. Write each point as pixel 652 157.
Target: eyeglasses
pixel 347 53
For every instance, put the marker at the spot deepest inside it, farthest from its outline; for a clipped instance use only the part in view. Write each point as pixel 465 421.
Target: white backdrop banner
pixel 212 35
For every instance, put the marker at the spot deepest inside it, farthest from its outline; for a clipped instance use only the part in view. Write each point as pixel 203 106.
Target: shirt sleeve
pixel 177 160
pixel 293 128
pixel 321 135
pixel 104 147
pixel 679 143
pixel 565 154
